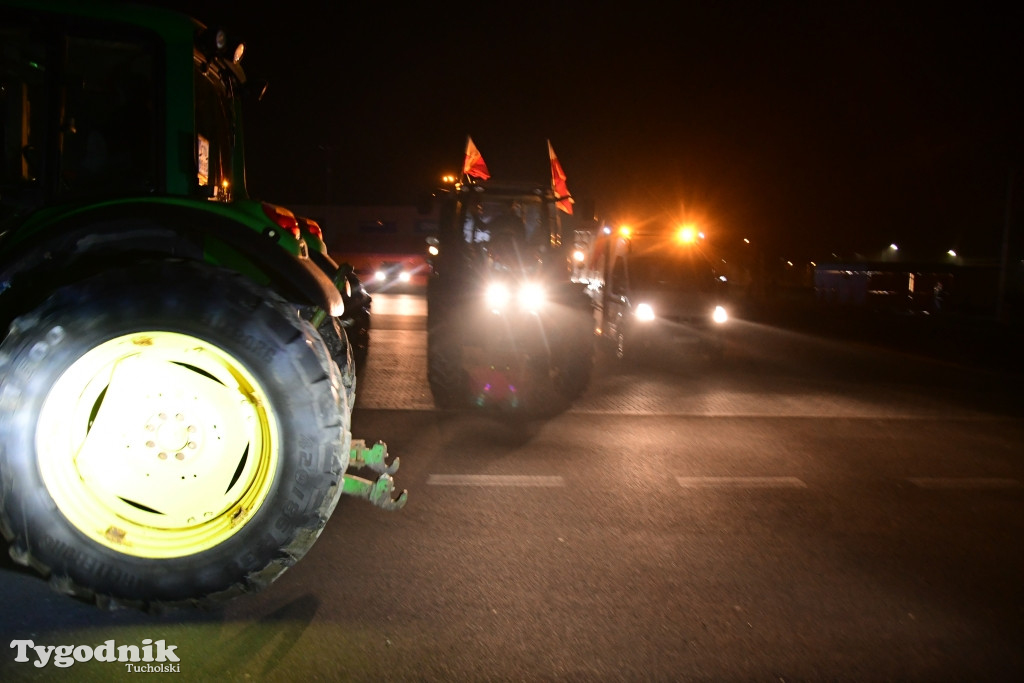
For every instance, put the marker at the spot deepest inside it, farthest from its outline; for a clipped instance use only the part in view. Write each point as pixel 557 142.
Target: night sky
pixel 807 127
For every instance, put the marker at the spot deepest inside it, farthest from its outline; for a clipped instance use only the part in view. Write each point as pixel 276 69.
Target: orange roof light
pixel 687 234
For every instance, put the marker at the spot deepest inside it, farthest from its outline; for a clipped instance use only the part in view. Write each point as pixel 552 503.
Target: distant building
pixel 910 287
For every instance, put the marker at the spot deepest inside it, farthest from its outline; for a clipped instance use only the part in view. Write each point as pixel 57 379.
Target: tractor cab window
pixel 507 230
pixel 214 147
pixel 23 117
pixel 523 216
pixel 77 115
pixel 108 127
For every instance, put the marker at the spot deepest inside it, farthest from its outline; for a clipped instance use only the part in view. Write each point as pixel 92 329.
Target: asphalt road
pixel 805 509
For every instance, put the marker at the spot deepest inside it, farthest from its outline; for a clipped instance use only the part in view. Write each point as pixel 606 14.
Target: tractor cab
pixel 88 114
pixel 505 319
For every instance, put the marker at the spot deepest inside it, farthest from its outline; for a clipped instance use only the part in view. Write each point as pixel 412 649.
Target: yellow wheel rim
pixel 157 444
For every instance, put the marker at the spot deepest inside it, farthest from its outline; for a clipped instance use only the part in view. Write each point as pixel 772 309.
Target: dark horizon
pixel 806 129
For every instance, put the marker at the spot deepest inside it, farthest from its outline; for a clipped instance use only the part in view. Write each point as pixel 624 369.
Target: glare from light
pixel 432 250
pixel 894 247
pixel 720 315
pixel 531 297
pixel 496 296
pixel 625 231
pixel 687 234
pixel 952 252
pixel 404 276
pixel 578 256
pixel 644 313
pixel 380 276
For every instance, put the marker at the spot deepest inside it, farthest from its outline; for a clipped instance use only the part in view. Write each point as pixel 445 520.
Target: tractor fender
pixel 74 245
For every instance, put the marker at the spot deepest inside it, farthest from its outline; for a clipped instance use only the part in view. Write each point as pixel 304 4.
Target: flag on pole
pixel 474 163
pixel 565 201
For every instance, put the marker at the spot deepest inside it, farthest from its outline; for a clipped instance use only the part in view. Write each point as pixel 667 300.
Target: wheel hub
pixel 159 449
pixel 171 437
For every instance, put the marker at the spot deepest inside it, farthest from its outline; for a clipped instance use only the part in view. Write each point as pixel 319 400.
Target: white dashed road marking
pixel 519 480
pixel 741 482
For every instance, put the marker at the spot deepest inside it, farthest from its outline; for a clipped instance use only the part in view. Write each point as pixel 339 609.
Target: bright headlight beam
pixel 644 313
pixel 720 315
pixel 496 296
pixel 531 297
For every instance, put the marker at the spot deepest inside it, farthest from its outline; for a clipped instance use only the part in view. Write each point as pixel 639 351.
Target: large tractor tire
pixel 448 379
pixel 341 351
pixel 170 435
pixel 574 363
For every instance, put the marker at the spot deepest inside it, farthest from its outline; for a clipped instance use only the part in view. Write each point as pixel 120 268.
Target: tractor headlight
pixel 644 313
pixel 720 315
pixel 497 296
pixel 531 297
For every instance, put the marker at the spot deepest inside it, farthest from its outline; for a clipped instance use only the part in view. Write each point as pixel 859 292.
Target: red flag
pixel 558 182
pixel 474 164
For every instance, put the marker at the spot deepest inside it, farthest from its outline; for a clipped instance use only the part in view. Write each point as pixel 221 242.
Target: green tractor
pixel 175 377
pixel 508 330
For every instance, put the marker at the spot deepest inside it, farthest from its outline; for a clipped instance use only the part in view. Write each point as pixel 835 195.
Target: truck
pixel 654 289
pixel 508 330
pixel 175 378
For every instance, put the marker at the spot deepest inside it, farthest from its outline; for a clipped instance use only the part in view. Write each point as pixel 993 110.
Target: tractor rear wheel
pixel 170 434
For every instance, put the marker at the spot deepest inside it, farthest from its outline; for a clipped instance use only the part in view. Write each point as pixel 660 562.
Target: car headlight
pixel 496 296
pixel 531 297
pixel 380 276
pixel 644 313
pixel 404 276
pixel 720 315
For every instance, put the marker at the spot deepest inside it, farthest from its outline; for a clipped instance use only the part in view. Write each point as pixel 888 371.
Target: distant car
pixel 390 274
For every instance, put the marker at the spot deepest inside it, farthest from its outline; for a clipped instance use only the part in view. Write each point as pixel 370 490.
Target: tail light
pixel 284 218
pixel 314 229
